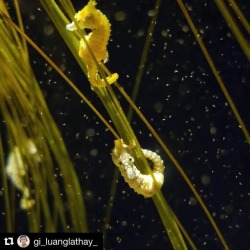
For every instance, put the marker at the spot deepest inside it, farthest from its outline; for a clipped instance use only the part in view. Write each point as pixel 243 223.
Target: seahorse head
pixel 87 18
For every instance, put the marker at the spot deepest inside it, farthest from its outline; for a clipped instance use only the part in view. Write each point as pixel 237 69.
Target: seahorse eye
pixel 87 23
pixel 88 18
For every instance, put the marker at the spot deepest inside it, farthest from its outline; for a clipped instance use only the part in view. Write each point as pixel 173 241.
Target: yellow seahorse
pixel 143 184
pixel 91 18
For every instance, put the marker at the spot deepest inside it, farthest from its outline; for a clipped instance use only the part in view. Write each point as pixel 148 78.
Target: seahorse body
pixel 143 184
pixel 91 18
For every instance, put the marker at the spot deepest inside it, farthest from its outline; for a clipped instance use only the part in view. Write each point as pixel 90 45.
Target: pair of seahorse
pixel 91 18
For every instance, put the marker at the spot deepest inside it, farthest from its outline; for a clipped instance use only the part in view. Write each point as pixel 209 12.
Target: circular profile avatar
pixel 23 241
